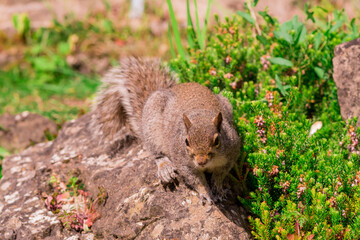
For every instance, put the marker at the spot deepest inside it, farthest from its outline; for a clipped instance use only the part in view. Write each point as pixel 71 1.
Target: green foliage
pixel 196 36
pixel 30 88
pixel 3 153
pixel 279 81
pixel 40 81
pixel 53 70
pixel 22 24
pixel 175 30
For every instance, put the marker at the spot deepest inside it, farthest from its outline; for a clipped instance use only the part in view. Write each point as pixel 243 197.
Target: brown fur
pixel 125 91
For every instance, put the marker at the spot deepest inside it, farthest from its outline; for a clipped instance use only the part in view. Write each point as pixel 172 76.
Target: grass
pixel 62 100
pixel 55 71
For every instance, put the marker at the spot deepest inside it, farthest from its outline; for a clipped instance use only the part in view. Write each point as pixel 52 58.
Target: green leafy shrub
pixel 279 81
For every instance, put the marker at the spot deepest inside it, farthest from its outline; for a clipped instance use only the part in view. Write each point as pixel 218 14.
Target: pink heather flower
pixel 260 123
pixel 275 170
pixel 228 75
pixel 228 59
pixel 233 85
pixel 255 170
pixel 354 140
pixel 265 62
pixel 301 189
pixel 285 185
pixel 343 213
pixel 212 71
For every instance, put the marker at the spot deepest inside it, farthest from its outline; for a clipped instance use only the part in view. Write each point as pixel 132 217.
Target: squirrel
pixel 186 127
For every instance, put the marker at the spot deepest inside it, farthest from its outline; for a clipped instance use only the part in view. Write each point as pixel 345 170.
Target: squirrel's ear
pixel 217 121
pixel 186 122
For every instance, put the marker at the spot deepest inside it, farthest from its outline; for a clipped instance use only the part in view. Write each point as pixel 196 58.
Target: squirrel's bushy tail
pixel 125 90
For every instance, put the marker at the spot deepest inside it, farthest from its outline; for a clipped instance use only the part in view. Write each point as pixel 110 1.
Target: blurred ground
pixel 41 12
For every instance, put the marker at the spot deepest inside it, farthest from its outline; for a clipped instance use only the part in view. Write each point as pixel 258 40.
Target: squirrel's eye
pixel 216 141
pixel 187 142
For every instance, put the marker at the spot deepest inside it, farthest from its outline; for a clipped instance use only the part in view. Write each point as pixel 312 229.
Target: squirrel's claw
pixel 166 172
pixel 205 198
pixel 220 194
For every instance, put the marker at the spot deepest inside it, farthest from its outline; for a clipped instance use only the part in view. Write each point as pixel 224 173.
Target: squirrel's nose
pixel 201 160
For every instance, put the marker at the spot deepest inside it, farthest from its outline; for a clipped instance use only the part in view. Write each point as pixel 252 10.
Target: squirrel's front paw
pixel 166 171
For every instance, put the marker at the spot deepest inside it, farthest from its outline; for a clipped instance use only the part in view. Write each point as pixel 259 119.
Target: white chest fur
pixel 216 162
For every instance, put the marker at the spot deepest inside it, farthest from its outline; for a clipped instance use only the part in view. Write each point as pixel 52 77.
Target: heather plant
pixel 298 184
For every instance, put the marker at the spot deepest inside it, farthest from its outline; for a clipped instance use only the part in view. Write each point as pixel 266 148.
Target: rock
pixel 347 78
pixel 137 207
pixel 20 131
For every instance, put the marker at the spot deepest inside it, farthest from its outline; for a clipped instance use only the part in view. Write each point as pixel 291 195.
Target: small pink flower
pixel 212 71
pixel 228 59
pixel 228 75
pixel 265 62
pixel 275 170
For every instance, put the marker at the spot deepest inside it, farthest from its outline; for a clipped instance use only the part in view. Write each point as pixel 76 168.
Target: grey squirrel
pixel 188 129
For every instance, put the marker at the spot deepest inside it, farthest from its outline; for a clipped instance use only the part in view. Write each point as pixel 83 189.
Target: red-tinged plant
pixel 72 205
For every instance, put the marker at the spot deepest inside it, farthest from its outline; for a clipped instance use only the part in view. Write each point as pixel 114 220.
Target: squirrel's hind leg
pixel 227 108
pixel 154 136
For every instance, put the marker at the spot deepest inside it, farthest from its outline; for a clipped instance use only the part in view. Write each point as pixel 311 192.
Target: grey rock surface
pixel 347 78
pixel 138 206
pixel 20 131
